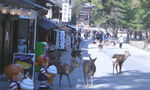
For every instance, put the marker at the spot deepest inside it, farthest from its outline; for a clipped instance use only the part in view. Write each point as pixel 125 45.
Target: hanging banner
pixel 68 40
pixel 69 14
pixel 65 11
pixel 62 40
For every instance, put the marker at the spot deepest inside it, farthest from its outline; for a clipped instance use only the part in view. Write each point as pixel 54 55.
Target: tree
pixel 130 15
pixel 77 6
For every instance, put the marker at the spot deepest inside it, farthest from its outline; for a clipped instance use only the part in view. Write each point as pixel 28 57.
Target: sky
pixel 135 72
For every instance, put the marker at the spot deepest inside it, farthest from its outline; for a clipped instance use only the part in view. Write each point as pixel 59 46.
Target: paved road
pixel 135 76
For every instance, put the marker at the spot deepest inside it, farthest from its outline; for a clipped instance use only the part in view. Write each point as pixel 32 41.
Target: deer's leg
pixel 120 68
pixel 116 68
pixel 88 81
pixel 92 80
pixel 60 80
pixel 69 80
pixel 85 79
pixel 113 67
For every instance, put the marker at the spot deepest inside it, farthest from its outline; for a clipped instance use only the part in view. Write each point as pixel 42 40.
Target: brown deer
pixel 65 69
pixel 76 53
pixel 118 60
pixel 100 46
pixel 113 43
pixel 89 69
pixel 106 42
pixel 54 55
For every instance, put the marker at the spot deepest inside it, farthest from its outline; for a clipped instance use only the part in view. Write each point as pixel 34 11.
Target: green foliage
pixel 77 6
pixel 129 14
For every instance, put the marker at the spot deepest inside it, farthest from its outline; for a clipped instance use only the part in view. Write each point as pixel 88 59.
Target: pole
pixel 33 78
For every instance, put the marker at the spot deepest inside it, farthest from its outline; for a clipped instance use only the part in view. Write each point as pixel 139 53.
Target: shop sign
pixel 60 40
pixel 69 14
pixel 65 11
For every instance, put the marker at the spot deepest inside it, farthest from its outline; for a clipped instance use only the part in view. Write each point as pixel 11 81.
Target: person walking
pixel 101 37
pixel 121 40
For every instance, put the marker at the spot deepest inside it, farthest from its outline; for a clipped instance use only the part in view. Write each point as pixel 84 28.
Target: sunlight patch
pixel 94 87
pixel 140 80
pixel 84 49
pixel 85 58
pixel 101 86
pixel 126 73
pixel 79 86
pixel 123 87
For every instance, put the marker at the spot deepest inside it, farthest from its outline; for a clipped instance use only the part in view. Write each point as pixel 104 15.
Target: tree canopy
pixel 129 14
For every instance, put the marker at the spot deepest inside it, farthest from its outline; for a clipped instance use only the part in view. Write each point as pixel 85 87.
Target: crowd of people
pixel 103 37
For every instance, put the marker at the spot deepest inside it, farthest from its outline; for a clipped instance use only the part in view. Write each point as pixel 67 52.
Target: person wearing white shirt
pixel 121 40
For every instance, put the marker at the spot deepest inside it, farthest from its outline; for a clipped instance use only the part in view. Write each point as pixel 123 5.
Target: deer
pixel 106 42
pixel 54 55
pixel 100 46
pixel 113 43
pixel 76 53
pixel 65 69
pixel 89 69
pixel 118 60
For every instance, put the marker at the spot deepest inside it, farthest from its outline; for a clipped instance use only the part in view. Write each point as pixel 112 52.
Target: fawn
pixel 65 69
pixel 118 59
pixel 89 68
pixel 113 43
pixel 100 46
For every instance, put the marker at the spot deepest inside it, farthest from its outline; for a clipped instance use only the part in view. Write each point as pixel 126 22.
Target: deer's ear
pixel 95 58
pixel 90 58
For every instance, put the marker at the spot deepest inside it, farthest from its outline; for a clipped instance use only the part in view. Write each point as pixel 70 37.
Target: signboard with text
pixel 60 40
pixel 65 11
pixel 69 14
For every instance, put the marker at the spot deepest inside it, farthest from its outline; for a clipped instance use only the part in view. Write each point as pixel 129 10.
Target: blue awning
pixel 71 26
pixel 46 23
pixel 54 2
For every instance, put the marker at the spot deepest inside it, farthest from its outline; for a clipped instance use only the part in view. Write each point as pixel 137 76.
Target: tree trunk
pixel 116 33
pixel 146 34
pixel 130 36
pixel 128 33
pixel 140 35
pixel 135 35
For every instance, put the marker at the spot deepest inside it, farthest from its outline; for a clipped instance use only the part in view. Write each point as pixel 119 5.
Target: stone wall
pixel 140 44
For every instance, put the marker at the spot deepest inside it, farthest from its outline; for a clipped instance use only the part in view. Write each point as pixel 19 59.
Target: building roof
pixel 28 4
pixel 46 23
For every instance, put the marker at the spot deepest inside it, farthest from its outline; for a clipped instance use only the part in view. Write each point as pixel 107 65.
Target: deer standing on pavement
pixel 100 46
pixel 118 60
pixel 65 69
pixel 89 69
